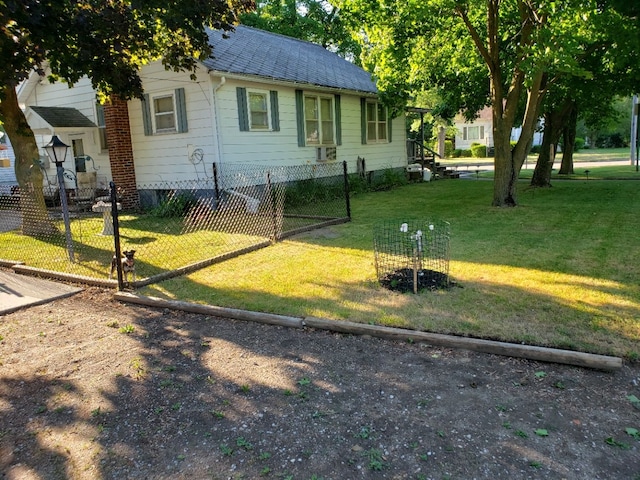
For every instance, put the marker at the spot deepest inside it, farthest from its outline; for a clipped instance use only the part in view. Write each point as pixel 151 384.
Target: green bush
pixel 466 153
pixel 174 204
pixel 579 144
pixel 535 149
pixel 457 153
pixel 478 151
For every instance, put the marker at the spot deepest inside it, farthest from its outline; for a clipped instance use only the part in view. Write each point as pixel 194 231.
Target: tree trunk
pixel 554 122
pixel 505 175
pixel 35 218
pixel 569 141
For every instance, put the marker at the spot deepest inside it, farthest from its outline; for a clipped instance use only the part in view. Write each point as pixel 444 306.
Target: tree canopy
pixel 316 21
pixel 479 52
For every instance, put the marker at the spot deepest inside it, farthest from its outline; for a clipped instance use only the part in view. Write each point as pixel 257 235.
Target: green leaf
pixel 633 432
pixel 541 374
pixel 542 432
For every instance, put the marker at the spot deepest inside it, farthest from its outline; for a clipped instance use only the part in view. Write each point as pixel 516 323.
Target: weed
pixel 217 413
pixel 288 393
pixel 226 450
pixel 507 425
pixel 540 374
pixel 138 365
pixel 96 412
pixel 501 408
pixel 243 443
pixel 615 443
pixel 632 432
pixel 303 395
pixel 542 432
pixel 112 324
pixel 265 471
pixel 245 388
pixel 375 459
pixel 127 329
pixel 559 385
pixel 159 410
pixel 176 406
pixel 364 432
pixel 535 464
pixel 265 456
pixel 522 434
pixel 304 381
pixel 181 457
pixel 440 433
pixel 41 409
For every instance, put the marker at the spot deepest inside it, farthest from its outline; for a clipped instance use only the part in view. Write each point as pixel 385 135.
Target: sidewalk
pixel 19 291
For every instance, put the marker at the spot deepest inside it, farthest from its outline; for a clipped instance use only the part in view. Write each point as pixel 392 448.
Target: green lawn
pixel 560 270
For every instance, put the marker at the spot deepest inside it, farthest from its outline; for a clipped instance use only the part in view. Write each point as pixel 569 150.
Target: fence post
pixel 272 207
pixel 215 183
pixel 116 233
pixel 346 188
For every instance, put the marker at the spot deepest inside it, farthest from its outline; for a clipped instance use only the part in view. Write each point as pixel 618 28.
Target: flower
pixel 404 228
pixel 430 227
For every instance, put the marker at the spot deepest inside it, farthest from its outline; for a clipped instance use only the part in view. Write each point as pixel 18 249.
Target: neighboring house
pixel 264 99
pixel 480 131
pixel 7 166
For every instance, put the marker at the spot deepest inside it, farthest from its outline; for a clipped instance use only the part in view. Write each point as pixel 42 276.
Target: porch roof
pixel 62 117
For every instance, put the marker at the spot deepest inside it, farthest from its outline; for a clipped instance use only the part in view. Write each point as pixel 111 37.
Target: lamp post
pixel 57 152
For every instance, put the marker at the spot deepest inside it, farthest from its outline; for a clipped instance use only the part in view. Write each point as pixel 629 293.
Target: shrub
pixel 174 204
pixel 579 144
pixel 466 153
pixel 478 151
pixel 457 153
pixel 535 149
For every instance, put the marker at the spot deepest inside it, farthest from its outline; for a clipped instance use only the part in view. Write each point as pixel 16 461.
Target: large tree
pixel 316 21
pixel 609 65
pixel 107 40
pixel 478 52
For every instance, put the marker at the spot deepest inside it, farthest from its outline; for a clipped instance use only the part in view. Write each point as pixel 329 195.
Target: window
pixel 165 113
pixel 319 120
pixel 473 133
pixel 102 129
pixel 258 111
pixel 376 122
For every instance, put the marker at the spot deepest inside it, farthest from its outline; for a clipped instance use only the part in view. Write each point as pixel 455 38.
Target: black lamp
pixel 57 150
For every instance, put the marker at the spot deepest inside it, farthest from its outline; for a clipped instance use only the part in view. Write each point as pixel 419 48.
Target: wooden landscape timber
pixel 543 354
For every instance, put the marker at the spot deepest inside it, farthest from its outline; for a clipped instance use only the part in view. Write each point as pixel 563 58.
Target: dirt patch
pixel 94 389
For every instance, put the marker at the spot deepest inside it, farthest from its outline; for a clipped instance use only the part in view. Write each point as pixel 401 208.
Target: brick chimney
pixel 116 120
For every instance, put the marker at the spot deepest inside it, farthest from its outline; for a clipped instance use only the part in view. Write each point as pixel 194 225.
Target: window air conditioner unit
pixel 326 154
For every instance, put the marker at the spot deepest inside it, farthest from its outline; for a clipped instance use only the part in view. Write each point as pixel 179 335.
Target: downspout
pixel 214 115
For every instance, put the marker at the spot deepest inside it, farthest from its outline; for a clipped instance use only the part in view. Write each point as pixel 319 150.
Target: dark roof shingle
pixel 62 117
pixel 250 51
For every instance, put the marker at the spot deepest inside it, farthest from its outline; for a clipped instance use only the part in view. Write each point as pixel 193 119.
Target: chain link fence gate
pixel 180 226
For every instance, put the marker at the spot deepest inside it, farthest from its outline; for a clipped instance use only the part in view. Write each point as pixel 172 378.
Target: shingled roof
pixel 62 116
pixel 254 52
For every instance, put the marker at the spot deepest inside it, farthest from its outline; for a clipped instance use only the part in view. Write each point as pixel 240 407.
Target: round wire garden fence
pixel 412 255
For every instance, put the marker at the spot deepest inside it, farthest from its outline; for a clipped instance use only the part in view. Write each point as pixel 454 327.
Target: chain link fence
pixel 179 227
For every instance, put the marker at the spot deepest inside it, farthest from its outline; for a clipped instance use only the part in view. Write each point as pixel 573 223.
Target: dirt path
pixel 94 389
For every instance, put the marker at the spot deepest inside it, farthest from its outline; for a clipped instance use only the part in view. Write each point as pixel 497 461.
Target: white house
pixel 7 160
pixel 263 99
pixel 480 130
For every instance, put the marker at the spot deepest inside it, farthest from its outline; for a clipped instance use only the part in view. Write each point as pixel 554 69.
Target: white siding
pixel 167 156
pixel 83 98
pixel 281 147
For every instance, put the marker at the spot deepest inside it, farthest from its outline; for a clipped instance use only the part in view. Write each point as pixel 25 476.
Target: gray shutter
pixel 464 133
pixel 275 113
pixel 300 118
pixel 146 115
pixel 181 111
pixel 482 131
pixel 243 114
pixel 363 120
pixel 338 108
